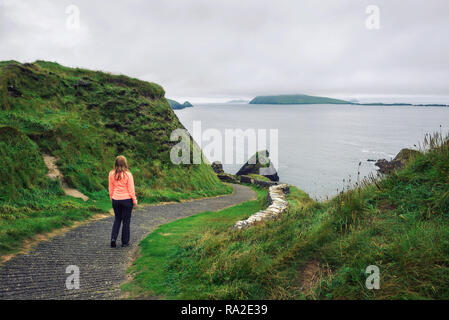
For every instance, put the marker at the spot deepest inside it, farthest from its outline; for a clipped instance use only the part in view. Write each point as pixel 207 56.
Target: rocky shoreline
pixel 398 162
pixel 258 170
pixel 277 203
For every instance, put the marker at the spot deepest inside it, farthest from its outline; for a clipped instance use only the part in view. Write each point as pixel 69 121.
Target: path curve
pixel 41 274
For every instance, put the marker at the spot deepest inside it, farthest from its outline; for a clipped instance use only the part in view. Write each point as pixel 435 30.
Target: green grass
pixel 258 177
pixel 320 250
pixel 165 271
pixel 21 223
pixel 85 119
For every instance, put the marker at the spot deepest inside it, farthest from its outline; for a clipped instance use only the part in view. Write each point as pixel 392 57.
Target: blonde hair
pixel 121 166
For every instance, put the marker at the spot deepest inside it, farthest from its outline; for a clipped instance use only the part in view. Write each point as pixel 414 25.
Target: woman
pixel 123 197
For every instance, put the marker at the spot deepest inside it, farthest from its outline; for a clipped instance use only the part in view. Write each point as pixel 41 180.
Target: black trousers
pixel 122 211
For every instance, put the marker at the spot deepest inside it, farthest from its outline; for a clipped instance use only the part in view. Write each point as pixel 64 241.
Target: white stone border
pixel 277 205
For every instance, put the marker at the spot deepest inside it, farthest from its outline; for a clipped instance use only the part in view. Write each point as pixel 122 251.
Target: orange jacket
pixel 122 189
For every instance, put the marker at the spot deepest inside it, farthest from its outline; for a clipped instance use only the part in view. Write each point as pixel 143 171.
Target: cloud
pixel 231 48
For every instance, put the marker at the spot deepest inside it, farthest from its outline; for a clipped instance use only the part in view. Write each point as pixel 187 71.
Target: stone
pixel 225 177
pixel 261 164
pixel 401 159
pixel 217 166
pixel 84 84
pixel 14 91
pixel 246 179
pixel 264 184
pixel 277 204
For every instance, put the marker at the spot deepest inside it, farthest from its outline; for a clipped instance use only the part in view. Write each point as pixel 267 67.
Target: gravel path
pixel 41 274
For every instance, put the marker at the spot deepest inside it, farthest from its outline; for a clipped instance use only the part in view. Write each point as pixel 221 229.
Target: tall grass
pixel 320 250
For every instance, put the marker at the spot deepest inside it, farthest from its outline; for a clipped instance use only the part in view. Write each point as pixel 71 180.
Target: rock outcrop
pixel 226 177
pixel 401 159
pixel 223 176
pixel 261 183
pixel 260 164
pixel 175 105
pixel 217 166
pixel 277 205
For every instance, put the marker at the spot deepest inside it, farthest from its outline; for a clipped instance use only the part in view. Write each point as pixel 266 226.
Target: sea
pixel 321 149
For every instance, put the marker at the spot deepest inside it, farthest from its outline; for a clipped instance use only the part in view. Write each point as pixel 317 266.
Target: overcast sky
pixel 225 49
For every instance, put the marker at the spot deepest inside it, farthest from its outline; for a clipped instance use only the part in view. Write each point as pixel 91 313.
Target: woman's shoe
pixel 125 245
pixel 113 245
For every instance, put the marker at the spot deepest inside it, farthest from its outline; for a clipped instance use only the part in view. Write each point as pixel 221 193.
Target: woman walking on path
pixel 123 197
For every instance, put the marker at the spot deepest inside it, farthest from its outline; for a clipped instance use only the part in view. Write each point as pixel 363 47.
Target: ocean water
pixel 320 146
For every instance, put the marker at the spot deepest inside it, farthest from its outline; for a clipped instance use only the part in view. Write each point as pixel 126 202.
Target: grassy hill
pixel 85 119
pixel 295 99
pixel 318 250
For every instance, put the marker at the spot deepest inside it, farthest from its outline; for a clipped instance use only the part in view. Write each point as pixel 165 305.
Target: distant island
pixel 295 99
pixel 175 105
pixel 306 99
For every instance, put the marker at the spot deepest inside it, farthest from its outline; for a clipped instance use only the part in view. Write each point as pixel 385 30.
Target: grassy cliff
pixel 295 99
pixel 85 119
pixel 319 250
